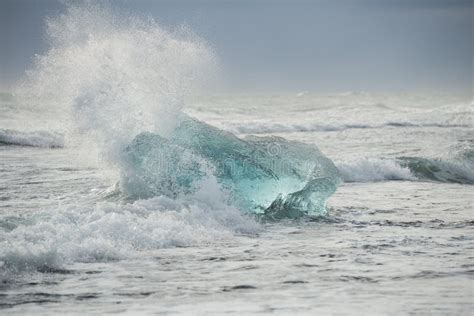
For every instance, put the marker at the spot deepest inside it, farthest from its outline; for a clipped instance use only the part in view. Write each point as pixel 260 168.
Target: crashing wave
pixel 123 83
pixel 439 170
pixel 408 169
pixel 266 175
pixel 35 139
pixel 275 127
pixel 269 127
pixel 50 239
pixel 373 169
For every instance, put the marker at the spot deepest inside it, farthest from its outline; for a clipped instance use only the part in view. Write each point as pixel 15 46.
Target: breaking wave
pixel 373 169
pixel 275 127
pixel 269 128
pixel 122 82
pixel 51 239
pixel 112 76
pixel 35 139
pixel 458 170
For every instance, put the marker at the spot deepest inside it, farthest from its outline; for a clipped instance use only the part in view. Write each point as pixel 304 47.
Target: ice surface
pixel 264 175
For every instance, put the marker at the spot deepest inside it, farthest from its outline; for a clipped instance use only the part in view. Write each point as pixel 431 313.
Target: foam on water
pixel 373 169
pixel 110 77
pixel 268 127
pixel 115 78
pixel 35 139
pixel 109 81
pixel 457 169
pixel 51 238
pixel 122 76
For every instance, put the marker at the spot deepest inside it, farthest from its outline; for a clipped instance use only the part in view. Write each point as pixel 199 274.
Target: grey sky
pixel 294 45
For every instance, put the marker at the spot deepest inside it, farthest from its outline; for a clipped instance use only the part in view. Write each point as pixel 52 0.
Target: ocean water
pixel 396 236
pixel 397 239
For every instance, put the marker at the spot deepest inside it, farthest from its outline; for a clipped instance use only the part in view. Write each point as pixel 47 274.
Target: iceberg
pixel 269 176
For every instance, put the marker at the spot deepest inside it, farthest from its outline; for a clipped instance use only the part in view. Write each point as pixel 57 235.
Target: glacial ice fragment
pixel 264 175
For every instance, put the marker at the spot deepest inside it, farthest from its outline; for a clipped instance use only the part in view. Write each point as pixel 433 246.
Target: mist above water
pixel 112 75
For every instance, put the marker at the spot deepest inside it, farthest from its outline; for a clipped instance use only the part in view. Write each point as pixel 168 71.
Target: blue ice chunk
pixel 264 175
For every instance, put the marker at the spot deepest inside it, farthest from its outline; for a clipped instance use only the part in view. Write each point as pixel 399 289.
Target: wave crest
pixel 35 139
pixel 374 169
pixel 115 75
pixel 50 239
pixel 456 170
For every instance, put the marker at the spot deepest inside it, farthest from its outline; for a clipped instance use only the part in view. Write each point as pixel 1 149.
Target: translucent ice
pixel 264 175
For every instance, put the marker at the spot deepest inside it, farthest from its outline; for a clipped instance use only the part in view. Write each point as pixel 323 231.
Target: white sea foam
pixel 276 127
pixel 115 76
pixel 36 139
pixel 268 127
pixel 111 231
pixel 373 169
pixel 456 169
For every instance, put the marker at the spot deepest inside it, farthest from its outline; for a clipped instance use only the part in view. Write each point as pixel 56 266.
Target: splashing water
pixel 120 76
pixel 116 75
pixel 106 78
pixel 116 85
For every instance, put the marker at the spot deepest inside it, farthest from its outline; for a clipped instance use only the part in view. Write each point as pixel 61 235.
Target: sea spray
pixel 107 77
pixel 121 78
pixel 117 85
pixel 455 169
pixel 112 75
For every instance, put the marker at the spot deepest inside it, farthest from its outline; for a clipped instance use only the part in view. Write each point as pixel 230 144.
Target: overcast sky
pixel 323 46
